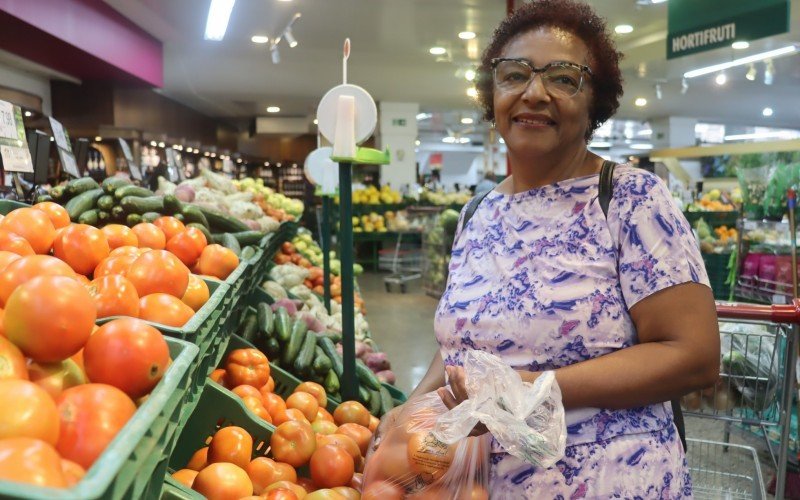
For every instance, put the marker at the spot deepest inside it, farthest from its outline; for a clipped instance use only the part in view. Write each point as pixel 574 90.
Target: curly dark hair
pixel 578 19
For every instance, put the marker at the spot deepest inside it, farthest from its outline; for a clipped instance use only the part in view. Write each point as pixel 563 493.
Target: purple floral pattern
pixel 543 280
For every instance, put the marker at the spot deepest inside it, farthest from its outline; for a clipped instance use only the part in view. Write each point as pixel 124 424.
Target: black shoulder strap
pixel 472 206
pixel 606 187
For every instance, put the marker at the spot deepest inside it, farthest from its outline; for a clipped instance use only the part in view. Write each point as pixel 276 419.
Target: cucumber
pixel 228 241
pixel 117 214
pixel 273 348
pixel 42 197
pixel 203 229
pixel 150 216
pixel 139 205
pixel 131 190
pixel 248 252
pixel 329 349
pixel 180 217
pixel 83 202
pixel 366 376
pixel 302 364
pixel 193 214
pixel 248 237
pixel 283 325
pixel 387 403
pixel 296 339
pixel 105 202
pixel 248 328
pixel 266 319
pixel 89 217
pixel 133 219
pixel 331 383
pixel 322 363
pixel 223 223
pixel 172 205
pixel 111 184
pixel 103 217
pixel 335 337
pixel 82 185
pixel 375 403
pixel 58 193
pixel 364 395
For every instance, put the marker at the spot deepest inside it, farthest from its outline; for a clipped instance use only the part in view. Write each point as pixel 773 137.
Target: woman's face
pixel 532 122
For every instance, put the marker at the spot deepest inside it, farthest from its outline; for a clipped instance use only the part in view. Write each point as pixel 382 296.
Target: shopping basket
pixel 724 471
pixel 133 463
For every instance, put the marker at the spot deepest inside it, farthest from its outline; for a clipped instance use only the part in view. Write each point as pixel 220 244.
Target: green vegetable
pixel 203 229
pixel 172 205
pixel 41 198
pixel 150 216
pixel 132 190
pixel 366 376
pixel 248 329
pixel 83 202
pixel 82 185
pixel 375 403
pixel 248 253
pixel 193 214
pixel 329 349
pixel 335 337
pixel 219 222
pixel 273 349
pixel 283 324
pixel 103 217
pixel 331 383
pixel 117 214
pixel 302 364
pixel 228 241
pixel 111 184
pixel 248 237
pixel 105 202
pixel 140 205
pixel 292 349
pixel 322 363
pixel 133 219
pixel 266 319
pixel 364 395
pixel 89 217
pixel 180 217
pixel 58 192
pixel 387 403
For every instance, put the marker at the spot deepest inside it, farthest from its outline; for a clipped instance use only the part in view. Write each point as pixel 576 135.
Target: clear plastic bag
pixel 412 463
pixel 751 360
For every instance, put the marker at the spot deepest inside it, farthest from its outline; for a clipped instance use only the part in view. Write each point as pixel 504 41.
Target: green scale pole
pixel 326 251
pixel 349 383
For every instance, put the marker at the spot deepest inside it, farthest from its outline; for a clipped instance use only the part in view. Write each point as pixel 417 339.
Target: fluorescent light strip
pixel 784 134
pixel 218 15
pixel 742 61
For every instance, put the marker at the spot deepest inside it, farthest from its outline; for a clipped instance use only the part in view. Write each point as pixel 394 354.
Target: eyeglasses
pixel 560 79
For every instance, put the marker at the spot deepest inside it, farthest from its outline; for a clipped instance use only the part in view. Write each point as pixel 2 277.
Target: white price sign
pixel 8 123
pixel 16 159
pixel 60 135
pixel 69 163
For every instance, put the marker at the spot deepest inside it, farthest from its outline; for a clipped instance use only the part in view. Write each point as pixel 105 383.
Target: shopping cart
pixel 755 388
pixel 404 262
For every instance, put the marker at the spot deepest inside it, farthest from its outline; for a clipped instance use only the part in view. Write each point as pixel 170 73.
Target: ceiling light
pixel 218 15
pixel 659 93
pixel 769 72
pixel 464 140
pixel 290 37
pixel 153 143
pixel 623 29
pixel 52 139
pixel 752 73
pixel 98 139
pixel 276 56
pixel 784 51
pixel 266 164
pixel 641 146
pixel 161 144
pixel 740 45
pixel 470 74
pixel 645 132
pixel 449 140
pixel 213 155
pixel 206 154
pixel 472 92
pixel 502 141
pixel 273 109
pixel 721 79
pixel 684 86
pixel 28 113
pixel 423 116
pixel 259 39
pixel 599 144
pixel 278 165
pixel 640 102
pixel 417 143
pixel 284 0
pixel 649 2
pixel 467 121
pixel 466 35
pixel 438 51
pixel 239 160
pixel 775 134
pixel 767 112
pixel 316 122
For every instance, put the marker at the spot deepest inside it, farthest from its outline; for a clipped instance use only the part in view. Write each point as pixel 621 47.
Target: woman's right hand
pixel 387 423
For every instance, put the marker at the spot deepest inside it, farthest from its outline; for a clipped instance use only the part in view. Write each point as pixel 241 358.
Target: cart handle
pixel 774 313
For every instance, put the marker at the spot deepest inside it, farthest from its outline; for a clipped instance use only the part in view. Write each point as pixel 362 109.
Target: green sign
pixel 399 122
pixel 701 25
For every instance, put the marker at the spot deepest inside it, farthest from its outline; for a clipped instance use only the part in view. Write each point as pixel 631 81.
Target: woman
pixel 618 305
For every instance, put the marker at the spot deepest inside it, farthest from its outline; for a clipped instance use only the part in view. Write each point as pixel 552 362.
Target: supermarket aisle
pixel 402 325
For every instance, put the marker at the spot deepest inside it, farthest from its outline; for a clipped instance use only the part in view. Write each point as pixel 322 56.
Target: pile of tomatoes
pixel 331 447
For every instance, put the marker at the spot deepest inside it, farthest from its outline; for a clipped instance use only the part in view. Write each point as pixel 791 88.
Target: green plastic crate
pixel 133 463
pixel 7 206
pixel 217 408
pixel 207 329
pixel 717 270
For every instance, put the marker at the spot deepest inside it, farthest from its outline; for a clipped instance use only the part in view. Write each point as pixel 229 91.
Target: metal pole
pixel 326 251
pixel 786 410
pixel 349 383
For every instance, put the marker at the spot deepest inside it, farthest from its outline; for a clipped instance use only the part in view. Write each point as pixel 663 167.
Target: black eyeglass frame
pixel 534 70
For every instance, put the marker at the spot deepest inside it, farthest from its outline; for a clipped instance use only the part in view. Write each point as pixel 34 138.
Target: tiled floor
pixel 402 325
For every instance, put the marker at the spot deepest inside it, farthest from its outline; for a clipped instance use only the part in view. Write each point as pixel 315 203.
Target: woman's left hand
pixel 457 393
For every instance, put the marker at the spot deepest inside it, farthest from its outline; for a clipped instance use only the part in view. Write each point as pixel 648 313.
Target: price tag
pixel 126 150
pixel 16 159
pixel 69 163
pixel 8 121
pixel 60 135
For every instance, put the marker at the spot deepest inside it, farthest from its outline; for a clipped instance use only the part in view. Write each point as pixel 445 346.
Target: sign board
pixel 64 148
pixel 399 122
pixel 700 25
pixel 13 144
pixel 172 165
pixel 133 168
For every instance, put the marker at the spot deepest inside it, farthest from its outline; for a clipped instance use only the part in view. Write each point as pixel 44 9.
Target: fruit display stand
pixel 206 329
pixel 133 464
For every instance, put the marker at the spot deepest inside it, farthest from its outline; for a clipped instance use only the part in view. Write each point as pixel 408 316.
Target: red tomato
pixel 128 354
pixel 265 471
pixel 185 477
pixel 344 442
pixel 30 461
pixel 158 271
pixel 33 225
pixel 199 459
pixel 223 481
pixel 197 293
pixel 7 258
pixel 325 494
pixel 83 247
pixel 91 416
pixel 351 412
pixel 374 422
pixel 349 493
pixel 49 318
pixel 298 490
pixel 322 427
pixel 247 390
pixel 14 243
pixel 27 268
pixel 12 362
pixel 429 456
pixel 127 250
pixel 305 402
pixel 315 390
pixel 293 443
pixel 431 493
pixel 307 484
pixel 57 214
pixel 170 226
pixel 383 490
pixel 274 404
pixel 231 444
pixel 247 367
pixel 28 411
pixel 115 264
pixel 358 433
pixel 324 414
pixel 188 245
pixel 164 309
pixel 254 405
pixel 331 466
pixel 120 236
pixel 269 386
pixel 56 377
pixel 150 236
pixel 295 415
pixel 218 376
pixel 114 295
pixel 73 472
pixel 280 494
pixel 217 261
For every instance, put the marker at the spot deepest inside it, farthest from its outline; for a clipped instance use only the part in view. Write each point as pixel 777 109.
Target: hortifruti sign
pixel 700 25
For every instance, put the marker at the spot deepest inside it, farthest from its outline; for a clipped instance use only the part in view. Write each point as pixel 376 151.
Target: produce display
pixel 428 197
pixel 275 205
pixel 374 196
pixel 306 246
pixel 717 201
pixel 718 240
pixel 437 243
pixel 370 223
